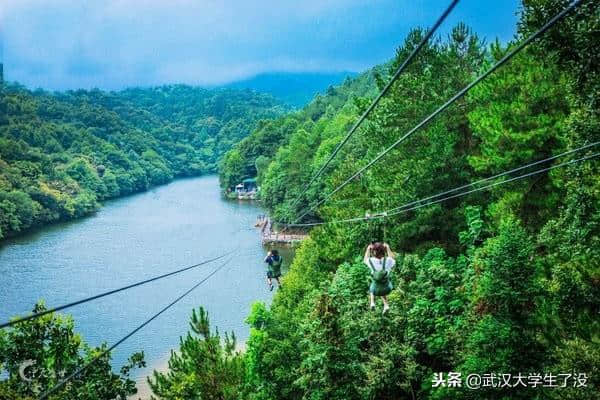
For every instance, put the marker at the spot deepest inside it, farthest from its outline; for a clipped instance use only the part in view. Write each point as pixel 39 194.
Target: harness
pixel 275 264
pixel 379 276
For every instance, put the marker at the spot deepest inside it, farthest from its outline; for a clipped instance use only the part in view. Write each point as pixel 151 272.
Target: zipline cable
pixel 566 153
pixel 383 92
pixel 536 172
pixel 403 208
pixel 110 292
pixel 133 332
pixel 448 103
pixel 587 146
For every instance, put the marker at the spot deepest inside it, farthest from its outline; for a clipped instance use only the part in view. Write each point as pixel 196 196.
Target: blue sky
pixel 111 44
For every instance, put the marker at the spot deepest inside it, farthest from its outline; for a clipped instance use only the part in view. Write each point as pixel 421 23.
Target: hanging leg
pixel 386 305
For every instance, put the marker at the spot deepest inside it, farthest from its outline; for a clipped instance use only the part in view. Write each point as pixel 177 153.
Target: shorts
pixel 273 274
pixel 380 289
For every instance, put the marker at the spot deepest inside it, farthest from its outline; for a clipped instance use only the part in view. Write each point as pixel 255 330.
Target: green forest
pixel 252 156
pixel 62 154
pixel 502 281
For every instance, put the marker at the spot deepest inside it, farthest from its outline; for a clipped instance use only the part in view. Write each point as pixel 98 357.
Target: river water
pixel 131 239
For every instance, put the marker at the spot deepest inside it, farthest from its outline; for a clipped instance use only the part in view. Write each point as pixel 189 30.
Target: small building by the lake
pixel 249 184
pixel 247 189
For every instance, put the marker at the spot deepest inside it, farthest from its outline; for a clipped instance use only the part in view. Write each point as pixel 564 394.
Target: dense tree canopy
pixel 257 149
pixel 500 281
pixel 38 354
pixel 503 281
pixel 63 153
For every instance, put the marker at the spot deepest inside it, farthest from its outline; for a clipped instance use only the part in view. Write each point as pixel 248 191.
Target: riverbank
pixel 130 239
pixel 99 204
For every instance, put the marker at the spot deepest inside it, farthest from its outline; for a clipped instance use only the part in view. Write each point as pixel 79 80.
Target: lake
pixel 131 239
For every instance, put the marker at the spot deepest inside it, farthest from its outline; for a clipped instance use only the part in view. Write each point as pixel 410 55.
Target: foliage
pixel 61 154
pixel 269 136
pixel 502 281
pixel 204 368
pixel 502 310
pixel 47 349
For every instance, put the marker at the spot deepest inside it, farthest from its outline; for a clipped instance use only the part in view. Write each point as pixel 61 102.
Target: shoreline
pixel 102 203
pixel 193 216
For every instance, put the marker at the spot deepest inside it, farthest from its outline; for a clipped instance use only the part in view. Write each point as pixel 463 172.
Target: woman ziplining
pixel 380 260
pixel 274 261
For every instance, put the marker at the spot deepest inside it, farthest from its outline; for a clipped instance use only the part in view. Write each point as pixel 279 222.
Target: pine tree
pixel 204 368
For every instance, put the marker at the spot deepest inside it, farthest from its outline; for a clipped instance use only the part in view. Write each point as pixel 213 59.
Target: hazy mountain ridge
pixel 293 88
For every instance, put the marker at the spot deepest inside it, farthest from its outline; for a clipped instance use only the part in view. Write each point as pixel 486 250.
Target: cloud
pixel 111 44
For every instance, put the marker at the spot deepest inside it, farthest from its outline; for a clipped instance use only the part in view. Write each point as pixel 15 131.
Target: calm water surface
pixel 131 239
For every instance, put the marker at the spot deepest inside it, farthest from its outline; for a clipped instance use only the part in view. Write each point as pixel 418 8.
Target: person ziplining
pixel 274 262
pixel 380 260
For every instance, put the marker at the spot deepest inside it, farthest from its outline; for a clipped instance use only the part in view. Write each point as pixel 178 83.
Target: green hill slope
pixel 251 156
pixel 63 153
pixel 503 281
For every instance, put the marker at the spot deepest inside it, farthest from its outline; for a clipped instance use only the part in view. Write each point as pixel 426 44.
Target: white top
pixel 378 263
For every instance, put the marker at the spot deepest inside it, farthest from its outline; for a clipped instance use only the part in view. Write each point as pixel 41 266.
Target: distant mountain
pixel 295 89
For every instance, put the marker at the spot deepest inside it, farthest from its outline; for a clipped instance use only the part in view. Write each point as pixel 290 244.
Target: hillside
pixel 495 289
pixel 499 281
pixel 251 156
pixel 63 153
